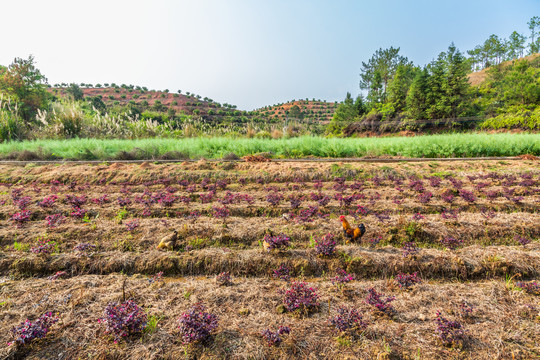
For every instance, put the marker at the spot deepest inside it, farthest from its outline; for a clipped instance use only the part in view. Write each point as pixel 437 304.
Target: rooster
pixel 348 231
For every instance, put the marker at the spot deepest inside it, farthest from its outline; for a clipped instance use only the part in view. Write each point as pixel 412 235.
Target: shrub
pixel 405 281
pixel 123 202
pixel 375 240
pixel 196 324
pixel 273 338
pixel 295 200
pixel 301 298
pixel 122 320
pixel 325 246
pixel 348 320
pixel 450 333
pixel 224 279
pixel 417 217
pixel 28 331
pixel 449 214
pixel 448 196
pixel 276 242
pixel 376 300
pixel 207 198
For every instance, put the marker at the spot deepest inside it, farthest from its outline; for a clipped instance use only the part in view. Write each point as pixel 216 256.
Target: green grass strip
pixel 428 146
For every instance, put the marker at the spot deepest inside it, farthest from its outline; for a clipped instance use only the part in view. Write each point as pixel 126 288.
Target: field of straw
pixel 75 239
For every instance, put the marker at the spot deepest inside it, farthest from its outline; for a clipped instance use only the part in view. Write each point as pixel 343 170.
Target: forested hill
pixel 496 87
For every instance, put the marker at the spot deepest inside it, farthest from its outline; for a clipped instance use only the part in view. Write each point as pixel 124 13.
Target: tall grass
pixel 455 145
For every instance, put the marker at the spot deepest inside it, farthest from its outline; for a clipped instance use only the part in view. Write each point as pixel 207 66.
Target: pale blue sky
pixel 248 53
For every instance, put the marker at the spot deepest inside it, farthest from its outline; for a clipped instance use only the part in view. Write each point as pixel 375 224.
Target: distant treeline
pixel 400 95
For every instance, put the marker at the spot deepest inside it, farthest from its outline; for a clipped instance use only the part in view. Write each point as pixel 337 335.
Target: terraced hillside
pixel 188 104
pixel 76 238
pixel 308 110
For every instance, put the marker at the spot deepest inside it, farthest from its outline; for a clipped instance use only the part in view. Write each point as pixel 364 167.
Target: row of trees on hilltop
pixel 401 95
pixel 496 50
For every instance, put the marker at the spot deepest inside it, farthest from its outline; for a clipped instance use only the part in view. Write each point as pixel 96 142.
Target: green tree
pixel 379 70
pixel 346 112
pixel 399 86
pixel 296 113
pixel 417 96
pixel 457 83
pixel 436 108
pixel 25 84
pixel 75 92
pixel 534 26
pixel 516 45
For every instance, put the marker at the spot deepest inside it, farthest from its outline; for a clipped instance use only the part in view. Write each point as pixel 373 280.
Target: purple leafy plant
pixel 282 272
pixel 274 199
pixel 276 242
pixel 196 324
pixel 131 225
pixel 342 279
pixel 221 212
pixel 348 320
pixel 20 218
pixel 381 304
pixel 522 240
pixel 301 298
pixel 451 243
pixel 451 333
pixel 273 338
pixel 43 246
pixel 326 245
pixel 122 320
pixel 405 281
pixel 48 201
pixel 531 287
pixel 425 197
pixel 410 249
pixel 28 331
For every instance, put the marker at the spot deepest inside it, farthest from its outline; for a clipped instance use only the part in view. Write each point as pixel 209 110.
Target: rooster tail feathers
pixel 362 229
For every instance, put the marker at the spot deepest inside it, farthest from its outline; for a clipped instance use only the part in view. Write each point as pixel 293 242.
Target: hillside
pixel 317 111
pixel 156 100
pixel 478 77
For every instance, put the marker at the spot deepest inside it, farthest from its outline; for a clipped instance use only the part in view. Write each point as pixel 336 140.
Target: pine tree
pixel 399 86
pixel 417 95
pixel 457 83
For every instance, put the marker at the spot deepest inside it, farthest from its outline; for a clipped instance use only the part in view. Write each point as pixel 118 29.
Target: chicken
pixel 348 231
pixel 169 241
